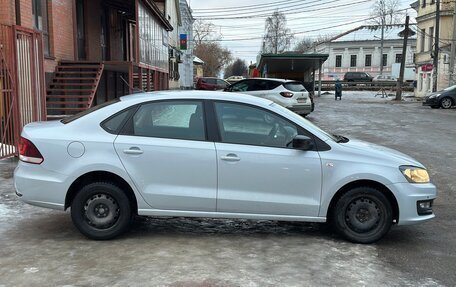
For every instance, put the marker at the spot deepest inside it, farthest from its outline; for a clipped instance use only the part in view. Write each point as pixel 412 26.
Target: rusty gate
pixel 22 94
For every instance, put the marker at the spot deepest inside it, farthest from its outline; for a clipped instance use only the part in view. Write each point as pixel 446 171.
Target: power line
pixel 236 9
pixel 292 11
pixel 241 7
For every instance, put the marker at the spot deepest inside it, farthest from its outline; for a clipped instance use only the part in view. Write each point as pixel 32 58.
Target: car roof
pixel 273 79
pixel 212 95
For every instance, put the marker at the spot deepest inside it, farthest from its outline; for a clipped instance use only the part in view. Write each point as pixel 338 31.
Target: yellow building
pixel 426 22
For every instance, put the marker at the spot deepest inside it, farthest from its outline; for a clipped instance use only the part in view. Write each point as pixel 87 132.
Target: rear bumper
pixel 37 186
pixel 301 109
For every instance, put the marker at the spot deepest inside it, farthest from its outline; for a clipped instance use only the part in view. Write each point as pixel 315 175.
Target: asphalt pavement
pixel 40 247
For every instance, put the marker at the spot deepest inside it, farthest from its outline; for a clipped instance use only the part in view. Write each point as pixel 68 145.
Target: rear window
pixel 88 111
pixel 295 87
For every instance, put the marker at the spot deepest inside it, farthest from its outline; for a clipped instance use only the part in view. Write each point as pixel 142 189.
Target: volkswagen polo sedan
pixel 218 155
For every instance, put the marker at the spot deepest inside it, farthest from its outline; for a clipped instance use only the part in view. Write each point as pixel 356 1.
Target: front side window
pixel 170 119
pixel 242 124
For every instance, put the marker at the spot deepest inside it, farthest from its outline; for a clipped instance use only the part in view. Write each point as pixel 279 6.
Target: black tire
pixel 101 211
pixel 363 215
pixel 446 103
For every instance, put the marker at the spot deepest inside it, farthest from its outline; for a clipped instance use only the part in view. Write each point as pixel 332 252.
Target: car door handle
pixel 230 157
pixel 133 150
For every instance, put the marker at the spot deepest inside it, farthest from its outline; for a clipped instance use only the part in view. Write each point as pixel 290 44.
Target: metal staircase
pixel 73 88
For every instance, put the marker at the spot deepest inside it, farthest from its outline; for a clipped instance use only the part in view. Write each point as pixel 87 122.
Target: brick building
pixel 59 57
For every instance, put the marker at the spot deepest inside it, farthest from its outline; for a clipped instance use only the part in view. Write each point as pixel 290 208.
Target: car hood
pixel 380 153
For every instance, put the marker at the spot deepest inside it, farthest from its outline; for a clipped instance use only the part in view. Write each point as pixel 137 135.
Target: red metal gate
pixel 22 94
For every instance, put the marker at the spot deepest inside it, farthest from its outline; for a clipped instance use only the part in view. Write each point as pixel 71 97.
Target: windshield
pixel 450 88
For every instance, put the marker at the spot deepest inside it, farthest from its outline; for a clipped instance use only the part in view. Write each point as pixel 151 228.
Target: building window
pixel 153 46
pixel 385 60
pixel 338 61
pixel 398 58
pixel 423 3
pixel 368 61
pixel 431 38
pixel 353 61
pixel 40 21
pixel 423 39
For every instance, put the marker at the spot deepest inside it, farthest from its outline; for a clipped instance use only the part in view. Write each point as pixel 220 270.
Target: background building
pixel 58 58
pixel 186 58
pixel 425 29
pixel 358 50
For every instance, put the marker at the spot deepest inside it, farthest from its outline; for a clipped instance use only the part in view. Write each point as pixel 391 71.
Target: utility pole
pixel 453 50
pixel 400 81
pixel 381 44
pixel 436 45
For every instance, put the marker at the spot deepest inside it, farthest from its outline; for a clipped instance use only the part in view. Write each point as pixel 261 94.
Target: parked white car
pixel 287 93
pixel 215 154
pixel 384 78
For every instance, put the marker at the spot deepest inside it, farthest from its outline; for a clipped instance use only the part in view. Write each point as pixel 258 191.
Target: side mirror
pixel 303 143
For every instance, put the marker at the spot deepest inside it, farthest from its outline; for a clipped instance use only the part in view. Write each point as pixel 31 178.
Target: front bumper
pixel 408 195
pixel 301 109
pixel 431 102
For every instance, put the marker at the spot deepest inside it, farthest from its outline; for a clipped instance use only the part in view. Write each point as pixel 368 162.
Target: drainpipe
pixel 18 12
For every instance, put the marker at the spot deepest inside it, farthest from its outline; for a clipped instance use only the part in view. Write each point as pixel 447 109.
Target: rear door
pixel 163 148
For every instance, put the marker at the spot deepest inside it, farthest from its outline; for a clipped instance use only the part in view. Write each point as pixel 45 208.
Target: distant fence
pixel 365 86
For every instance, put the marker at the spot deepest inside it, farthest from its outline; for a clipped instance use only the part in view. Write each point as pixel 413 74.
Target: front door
pixel 257 172
pixel 164 150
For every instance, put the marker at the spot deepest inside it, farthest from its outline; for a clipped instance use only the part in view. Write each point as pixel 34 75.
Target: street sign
pixel 427 67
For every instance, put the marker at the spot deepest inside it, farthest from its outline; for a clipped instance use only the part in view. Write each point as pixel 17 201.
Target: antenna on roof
pixel 135 90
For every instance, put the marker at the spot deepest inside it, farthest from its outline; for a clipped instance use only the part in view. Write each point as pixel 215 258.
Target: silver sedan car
pixel 218 155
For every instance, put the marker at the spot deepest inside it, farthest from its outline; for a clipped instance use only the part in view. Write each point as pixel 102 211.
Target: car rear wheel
pixel 446 103
pixel 101 211
pixel 363 215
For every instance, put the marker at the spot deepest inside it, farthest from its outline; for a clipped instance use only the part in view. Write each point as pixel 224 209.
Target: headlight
pixel 434 96
pixel 415 174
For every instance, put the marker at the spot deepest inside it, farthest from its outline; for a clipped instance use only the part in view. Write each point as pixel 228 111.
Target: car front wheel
pixel 446 103
pixel 101 211
pixel 363 215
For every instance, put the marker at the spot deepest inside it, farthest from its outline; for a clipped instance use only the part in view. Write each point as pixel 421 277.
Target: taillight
pixel 28 152
pixel 286 94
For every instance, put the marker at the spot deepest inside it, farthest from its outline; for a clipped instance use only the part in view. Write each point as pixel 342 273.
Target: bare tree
pixel 386 12
pixel 204 31
pixel 304 45
pixel 215 57
pixel 237 68
pixel 278 37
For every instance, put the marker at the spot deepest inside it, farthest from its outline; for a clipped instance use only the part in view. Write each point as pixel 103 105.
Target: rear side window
pixel 115 123
pixel 295 87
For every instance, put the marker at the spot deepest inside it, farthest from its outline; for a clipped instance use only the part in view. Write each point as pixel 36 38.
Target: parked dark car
pixel 211 84
pixel 357 77
pixel 444 99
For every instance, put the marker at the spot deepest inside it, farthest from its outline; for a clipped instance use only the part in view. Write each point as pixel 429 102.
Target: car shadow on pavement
pixel 151 226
